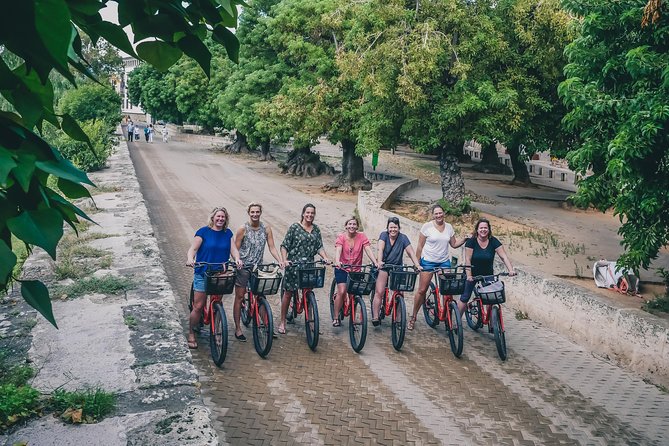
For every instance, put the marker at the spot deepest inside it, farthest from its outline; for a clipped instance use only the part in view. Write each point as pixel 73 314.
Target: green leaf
pixel 37 296
pixel 43 228
pixel 86 7
pixel 160 54
pixel 7 163
pixel 7 262
pixel 24 169
pixel 194 48
pixel 72 129
pixel 115 35
pixel 52 22
pixel 227 6
pixel 224 36
pixel 63 168
pixel 71 189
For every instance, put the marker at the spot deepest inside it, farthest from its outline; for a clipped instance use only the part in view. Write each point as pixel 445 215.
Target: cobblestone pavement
pixel 549 391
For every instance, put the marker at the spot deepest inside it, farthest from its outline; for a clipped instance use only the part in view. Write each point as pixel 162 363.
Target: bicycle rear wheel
pixel 474 314
pixel 263 327
pixel 311 321
pixel 333 294
pixel 399 325
pixel 430 306
pixel 246 309
pixel 357 324
pixel 218 338
pixel 455 336
pixel 500 339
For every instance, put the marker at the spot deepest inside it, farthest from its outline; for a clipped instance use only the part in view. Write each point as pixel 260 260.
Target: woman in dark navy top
pixel 480 255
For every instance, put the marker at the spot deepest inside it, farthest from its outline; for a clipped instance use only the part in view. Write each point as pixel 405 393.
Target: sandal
pixel 192 344
pixel 376 322
pixel 411 323
pixel 281 330
pixel 336 323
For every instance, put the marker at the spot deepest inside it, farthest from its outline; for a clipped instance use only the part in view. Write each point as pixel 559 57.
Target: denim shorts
pixel 199 282
pixel 341 275
pixel 429 266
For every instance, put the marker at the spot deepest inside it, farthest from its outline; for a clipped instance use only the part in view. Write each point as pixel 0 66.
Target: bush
pixel 16 403
pixel 80 153
pixel 464 207
pixel 92 102
pixel 88 406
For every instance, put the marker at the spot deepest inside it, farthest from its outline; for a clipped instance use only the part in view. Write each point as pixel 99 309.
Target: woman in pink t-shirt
pixel 349 247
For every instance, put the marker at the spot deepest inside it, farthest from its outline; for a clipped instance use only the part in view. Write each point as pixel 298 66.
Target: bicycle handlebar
pixel 224 265
pixel 488 277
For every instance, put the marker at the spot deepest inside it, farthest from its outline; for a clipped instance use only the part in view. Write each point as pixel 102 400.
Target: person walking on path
pixel 213 243
pixel 250 240
pixel 147 130
pixel 150 132
pixel 136 132
pixel 164 133
pixel 435 238
pixel 131 130
pixel 303 241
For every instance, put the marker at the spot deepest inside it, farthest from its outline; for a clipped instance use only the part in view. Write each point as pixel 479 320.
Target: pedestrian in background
pixel 164 132
pixel 131 130
pixel 136 132
pixel 150 132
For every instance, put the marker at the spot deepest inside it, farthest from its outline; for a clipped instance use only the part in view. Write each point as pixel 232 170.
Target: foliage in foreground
pixel 44 37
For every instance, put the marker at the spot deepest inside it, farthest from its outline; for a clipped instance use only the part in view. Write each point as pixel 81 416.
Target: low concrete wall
pixel 635 339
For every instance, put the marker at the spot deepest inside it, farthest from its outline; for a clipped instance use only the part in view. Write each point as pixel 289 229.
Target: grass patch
pixel 462 208
pixel 521 315
pixel 18 400
pixel 108 284
pixel 658 305
pixel 130 321
pixel 103 189
pixel 76 258
pixel 88 406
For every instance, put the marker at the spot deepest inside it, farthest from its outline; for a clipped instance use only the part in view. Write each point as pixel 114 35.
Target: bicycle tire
pixel 399 324
pixel 311 321
pixel 357 324
pixel 455 335
pixel 474 315
pixel 333 291
pixel 430 306
pixel 218 336
pixel 263 327
pixel 246 310
pixel 500 338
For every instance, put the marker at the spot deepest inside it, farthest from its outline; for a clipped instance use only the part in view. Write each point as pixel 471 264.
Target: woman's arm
pixel 501 252
pixel 239 236
pixel 380 246
pixel 337 257
pixel 370 253
pixel 272 248
pixel 421 244
pixel 192 251
pixel 468 262
pixel 455 243
pixel 324 256
pixel 234 252
pixel 409 250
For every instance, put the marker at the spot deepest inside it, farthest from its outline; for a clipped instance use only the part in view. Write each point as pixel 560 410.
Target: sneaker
pixel 241 337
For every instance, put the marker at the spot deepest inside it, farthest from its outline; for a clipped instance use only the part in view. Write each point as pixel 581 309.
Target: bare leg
pixel 199 299
pixel 339 299
pixel 285 302
pixel 237 308
pixel 381 281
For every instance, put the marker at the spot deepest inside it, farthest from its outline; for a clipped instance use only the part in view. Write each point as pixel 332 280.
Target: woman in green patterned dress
pixel 303 241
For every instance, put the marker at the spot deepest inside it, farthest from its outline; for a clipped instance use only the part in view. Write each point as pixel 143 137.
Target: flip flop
pixel 281 330
pixel 192 345
pixel 411 323
pixel 336 323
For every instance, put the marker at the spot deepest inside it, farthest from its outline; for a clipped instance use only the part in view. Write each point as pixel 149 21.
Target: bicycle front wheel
pixel 357 324
pixel 430 307
pixel 399 325
pixel 246 309
pixel 263 327
pixel 474 314
pixel 311 321
pixel 500 339
pixel 454 329
pixel 218 338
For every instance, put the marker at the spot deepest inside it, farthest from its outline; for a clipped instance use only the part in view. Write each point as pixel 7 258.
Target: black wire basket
pixel 311 277
pixel 490 292
pixel 220 282
pixel 265 281
pixel 402 279
pixel 452 281
pixel 360 283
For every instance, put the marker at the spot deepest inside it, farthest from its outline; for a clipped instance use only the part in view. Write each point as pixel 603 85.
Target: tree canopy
pixel 617 93
pixel 40 38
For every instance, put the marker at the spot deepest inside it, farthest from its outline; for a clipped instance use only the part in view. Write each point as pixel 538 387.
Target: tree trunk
pixel 265 154
pixel 352 176
pixel 240 144
pixel 520 173
pixel 452 183
pixel 303 162
pixel 490 160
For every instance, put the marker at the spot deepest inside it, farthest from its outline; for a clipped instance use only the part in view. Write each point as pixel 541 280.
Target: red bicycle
pixel 265 281
pixel 401 279
pixel 309 276
pixel 485 309
pixel 220 281
pixel 358 284
pixel 446 282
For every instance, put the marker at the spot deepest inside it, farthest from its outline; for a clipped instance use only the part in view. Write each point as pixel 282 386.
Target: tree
pixel 617 93
pixel 156 92
pixel 92 101
pixel 42 37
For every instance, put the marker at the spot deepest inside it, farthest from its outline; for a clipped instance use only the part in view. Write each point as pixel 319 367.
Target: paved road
pixel 550 391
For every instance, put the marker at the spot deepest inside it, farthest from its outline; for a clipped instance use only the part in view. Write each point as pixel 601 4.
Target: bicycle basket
pixel 220 282
pixel 452 281
pixel 311 277
pixel 491 293
pixel 360 283
pixel 402 279
pixel 265 281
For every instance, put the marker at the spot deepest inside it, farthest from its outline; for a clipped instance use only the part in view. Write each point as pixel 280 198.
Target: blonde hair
pixel 216 210
pixel 353 217
pixel 253 204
